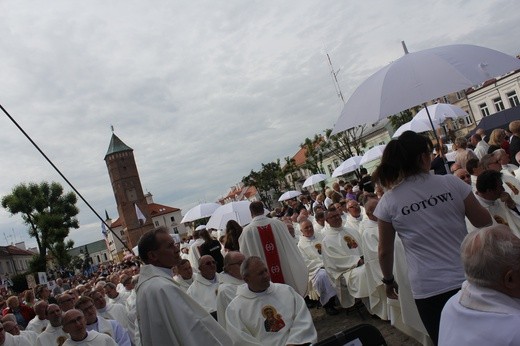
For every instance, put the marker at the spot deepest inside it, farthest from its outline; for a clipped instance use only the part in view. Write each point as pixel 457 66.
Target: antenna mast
pixel 335 79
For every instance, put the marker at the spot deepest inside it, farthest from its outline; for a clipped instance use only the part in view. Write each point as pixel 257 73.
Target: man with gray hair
pixel 267 313
pixel 486 311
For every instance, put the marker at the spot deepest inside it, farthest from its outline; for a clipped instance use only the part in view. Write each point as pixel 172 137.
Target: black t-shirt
pixel 365 184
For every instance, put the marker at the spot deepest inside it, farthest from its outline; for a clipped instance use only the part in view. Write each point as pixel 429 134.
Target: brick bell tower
pixel 127 191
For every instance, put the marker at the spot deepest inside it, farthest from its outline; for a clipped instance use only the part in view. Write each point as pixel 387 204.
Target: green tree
pixel 291 169
pixel 49 214
pixel 345 144
pixel 313 154
pixel 270 178
pixel 401 118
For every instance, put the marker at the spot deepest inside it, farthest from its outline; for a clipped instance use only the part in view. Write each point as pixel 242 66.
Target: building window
pixel 468 120
pixel 122 232
pixel 172 219
pixel 483 109
pixel 331 170
pixel 336 163
pixel 105 256
pixel 175 230
pixel 513 99
pixel 445 99
pixel 98 259
pixel 460 95
pixel 499 105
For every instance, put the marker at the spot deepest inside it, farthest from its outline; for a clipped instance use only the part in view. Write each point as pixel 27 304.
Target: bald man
pixel 75 324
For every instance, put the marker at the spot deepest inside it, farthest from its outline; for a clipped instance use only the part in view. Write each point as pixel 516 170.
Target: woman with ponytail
pixel 427 211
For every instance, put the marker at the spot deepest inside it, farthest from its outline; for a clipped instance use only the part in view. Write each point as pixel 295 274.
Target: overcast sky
pixel 203 91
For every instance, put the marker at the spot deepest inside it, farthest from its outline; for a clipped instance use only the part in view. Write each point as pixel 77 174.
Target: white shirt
pixel 480 316
pixel 428 213
pixel 93 339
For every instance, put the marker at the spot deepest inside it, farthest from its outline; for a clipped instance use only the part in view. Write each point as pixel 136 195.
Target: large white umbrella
pixel 289 195
pixel 238 211
pixel 200 211
pixel 439 112
pixel 415 125
pixel 314 179
pixel 374 153
pixel 419 77
pixel 347 166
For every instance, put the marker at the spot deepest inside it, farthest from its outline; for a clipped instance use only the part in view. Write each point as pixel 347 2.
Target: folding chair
pixel 360 335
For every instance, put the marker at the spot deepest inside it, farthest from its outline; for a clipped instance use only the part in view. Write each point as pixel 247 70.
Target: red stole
pixel 271 253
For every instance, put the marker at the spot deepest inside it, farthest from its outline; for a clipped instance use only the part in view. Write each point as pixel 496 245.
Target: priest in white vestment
pixel 270 240
pixel 369 245
pixel 194 252
pixel 343 260
pixel 265 313
pixel 40 321
pixel 486 311
pixel 230 279
pixel 100 324
pixel 53 335
pixel 114 296
pixel 491 195
pixel 109 311
pixel 13 340
pixel 166 314
pixel 74 323
pixel 354 215
pixel 310 245
pixel 205 286
pixel 184 274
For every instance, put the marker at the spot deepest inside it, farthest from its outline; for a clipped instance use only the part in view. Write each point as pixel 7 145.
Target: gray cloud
pixel 203 92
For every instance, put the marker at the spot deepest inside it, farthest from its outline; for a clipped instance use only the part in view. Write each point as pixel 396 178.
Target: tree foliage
pixel 269 178
pixel 49 214
pixel 313 154
pixel 401 118
pixel 345 144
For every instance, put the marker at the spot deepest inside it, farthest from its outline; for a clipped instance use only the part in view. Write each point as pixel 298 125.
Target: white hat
pixel 200 228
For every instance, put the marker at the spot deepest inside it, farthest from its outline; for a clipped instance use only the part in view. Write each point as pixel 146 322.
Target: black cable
pixel 64 178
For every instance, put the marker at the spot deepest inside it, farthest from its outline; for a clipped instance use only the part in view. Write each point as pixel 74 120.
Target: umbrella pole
pixel 437 139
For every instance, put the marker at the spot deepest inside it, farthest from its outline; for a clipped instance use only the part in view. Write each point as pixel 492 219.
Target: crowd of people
pixel 436 254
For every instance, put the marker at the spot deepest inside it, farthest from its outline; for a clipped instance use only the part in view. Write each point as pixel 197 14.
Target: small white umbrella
pixel 200 211
pixel 238 211
pixel 374 153
pixel 418 77
pixel 314 179
pixel 415 125
pixel 347 166
pixel 439 112
pixel 289 195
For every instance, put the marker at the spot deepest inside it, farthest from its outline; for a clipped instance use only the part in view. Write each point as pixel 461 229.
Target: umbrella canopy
pixel 347 166
pixel 200 211
pixel 314 179
pixel 374 153
pixel 498 120
pixel 238 211
pixel 416 125
pixel 439 112
pixel 418 77
pixel 289 195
